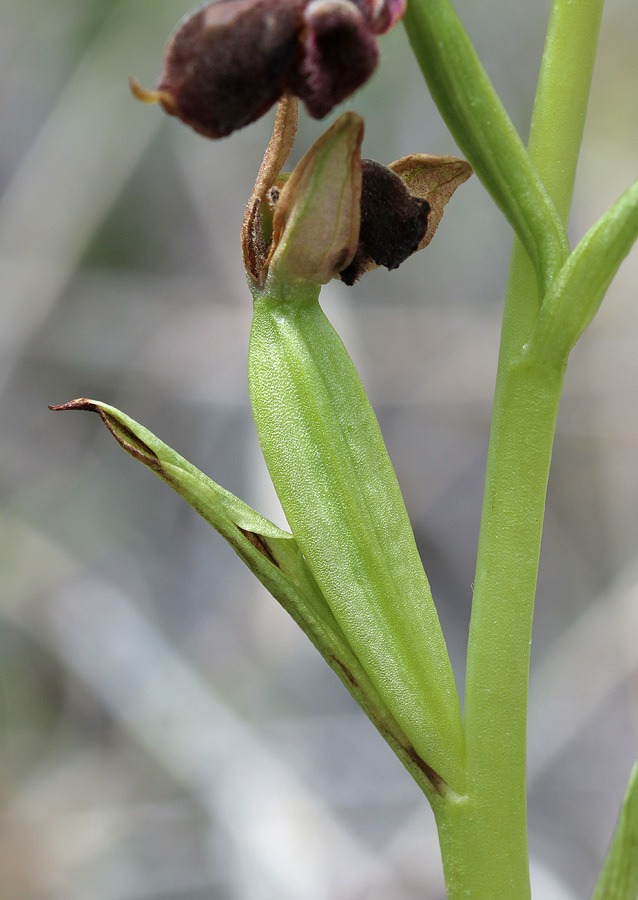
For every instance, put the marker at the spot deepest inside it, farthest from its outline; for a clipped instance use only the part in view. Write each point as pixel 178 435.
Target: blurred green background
pixel 165 732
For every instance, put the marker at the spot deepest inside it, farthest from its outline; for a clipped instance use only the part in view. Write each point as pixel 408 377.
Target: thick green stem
pixel 484 835
pixel 526 405
pixel 525 408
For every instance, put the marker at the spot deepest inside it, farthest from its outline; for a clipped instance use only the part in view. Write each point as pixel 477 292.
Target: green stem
pixel 562 96
pixel 555 137
pixel 525 409
pixel 526 406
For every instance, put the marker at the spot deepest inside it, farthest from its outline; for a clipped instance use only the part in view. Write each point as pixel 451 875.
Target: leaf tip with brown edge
pixel 122 433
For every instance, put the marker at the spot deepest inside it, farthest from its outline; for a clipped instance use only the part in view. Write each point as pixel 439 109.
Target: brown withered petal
pixel 339 55
pixel 227 62
pixel 393 222
pixel 435 178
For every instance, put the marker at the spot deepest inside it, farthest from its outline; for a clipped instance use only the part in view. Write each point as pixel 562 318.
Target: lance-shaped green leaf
pixel 273 555
pixel 579 288
pixel 619 875
pixel 481 127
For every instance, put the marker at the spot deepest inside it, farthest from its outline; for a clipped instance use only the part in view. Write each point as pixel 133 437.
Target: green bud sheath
pixel 329 465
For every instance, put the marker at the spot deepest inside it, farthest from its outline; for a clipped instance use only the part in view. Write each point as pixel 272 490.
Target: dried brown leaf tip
pixel 229 61
pixel 401 207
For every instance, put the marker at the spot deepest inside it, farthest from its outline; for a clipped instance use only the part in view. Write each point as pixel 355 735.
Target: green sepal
pixel 275 558
pixel 578 290
pixel 619 875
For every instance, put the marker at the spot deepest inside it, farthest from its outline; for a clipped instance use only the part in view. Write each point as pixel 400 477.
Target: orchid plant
pixel 348 572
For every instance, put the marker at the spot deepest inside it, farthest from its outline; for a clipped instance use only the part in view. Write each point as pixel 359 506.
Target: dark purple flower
pixel 229 61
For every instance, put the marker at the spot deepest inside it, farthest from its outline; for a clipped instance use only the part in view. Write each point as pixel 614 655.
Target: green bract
pixel 316 222
pixel 326 457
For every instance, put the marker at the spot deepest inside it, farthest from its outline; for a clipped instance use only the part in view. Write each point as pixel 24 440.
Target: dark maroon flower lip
pixel 401 208
pixel 229 61
pixel 393 221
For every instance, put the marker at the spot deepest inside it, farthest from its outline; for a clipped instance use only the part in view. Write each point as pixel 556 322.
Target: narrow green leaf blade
pixel 274 556
pixel 578 290
pixel 481 127
pixel 259 542
pixel 619 876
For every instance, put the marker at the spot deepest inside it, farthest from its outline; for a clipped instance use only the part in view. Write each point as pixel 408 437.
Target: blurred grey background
pixel 165 732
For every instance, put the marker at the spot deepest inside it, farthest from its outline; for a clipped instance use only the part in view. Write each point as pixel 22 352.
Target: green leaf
pixel 481 127
pixel 329 465
pixel 274 556
pixel 271 553
pixel 619 876
pixel 578 290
